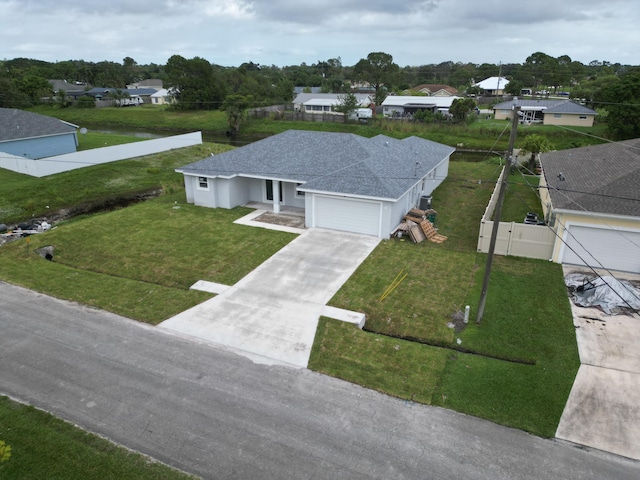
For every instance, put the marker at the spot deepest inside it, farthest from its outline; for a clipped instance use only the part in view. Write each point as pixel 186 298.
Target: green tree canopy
pixel 197 86
pixel 622 102
pixel 379 71
pixel 534 144
pixel 347 104
pixel 461 108
pixel 236 107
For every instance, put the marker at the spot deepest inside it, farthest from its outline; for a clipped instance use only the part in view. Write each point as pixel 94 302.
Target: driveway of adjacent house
pixel 271 315
pixel 603 410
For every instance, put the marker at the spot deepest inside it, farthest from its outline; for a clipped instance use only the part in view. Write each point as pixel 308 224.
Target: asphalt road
pixel 215 414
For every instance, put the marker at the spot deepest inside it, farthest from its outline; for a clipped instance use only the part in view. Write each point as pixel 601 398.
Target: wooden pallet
pixel 431 233
pixel 416 233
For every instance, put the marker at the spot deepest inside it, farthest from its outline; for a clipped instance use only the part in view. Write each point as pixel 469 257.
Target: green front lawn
pixel 45 447
pixel 140 261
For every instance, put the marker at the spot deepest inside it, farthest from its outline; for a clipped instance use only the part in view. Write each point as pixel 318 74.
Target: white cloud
pixel 289 32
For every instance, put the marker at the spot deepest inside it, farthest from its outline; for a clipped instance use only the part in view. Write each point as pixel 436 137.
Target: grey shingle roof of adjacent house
pixel 17 124
pixel 600 178
pixel 345 163
pixel 548 105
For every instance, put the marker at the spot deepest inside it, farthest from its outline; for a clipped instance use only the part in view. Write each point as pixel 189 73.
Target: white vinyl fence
pixel 517 239
pixel 87 158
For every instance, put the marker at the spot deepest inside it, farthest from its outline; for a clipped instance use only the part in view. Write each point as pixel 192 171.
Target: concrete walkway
pixel 603 410
pixel 271 315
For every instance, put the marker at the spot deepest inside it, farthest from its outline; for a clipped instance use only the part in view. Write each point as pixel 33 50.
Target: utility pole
pixel 498 212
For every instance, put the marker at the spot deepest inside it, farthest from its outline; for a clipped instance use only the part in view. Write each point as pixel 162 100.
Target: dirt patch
pixel 283 219
pixel 87 208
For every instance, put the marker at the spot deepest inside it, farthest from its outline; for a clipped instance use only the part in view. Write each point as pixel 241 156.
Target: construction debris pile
pixel 22 230
pixel 418 227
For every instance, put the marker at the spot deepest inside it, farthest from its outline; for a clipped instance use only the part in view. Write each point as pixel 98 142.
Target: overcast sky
pixel 289 32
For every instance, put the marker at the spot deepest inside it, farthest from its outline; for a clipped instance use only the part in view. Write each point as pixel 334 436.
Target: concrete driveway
pixel 603 410
pixel 271 315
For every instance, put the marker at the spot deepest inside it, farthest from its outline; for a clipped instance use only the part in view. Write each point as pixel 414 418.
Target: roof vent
pixel 561 177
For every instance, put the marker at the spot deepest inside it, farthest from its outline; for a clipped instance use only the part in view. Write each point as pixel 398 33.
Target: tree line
pixel 200 84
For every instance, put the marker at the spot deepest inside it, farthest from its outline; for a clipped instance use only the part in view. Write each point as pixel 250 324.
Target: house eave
pixel 582 213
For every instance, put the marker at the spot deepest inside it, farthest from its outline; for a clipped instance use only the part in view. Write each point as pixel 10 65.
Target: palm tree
pixel 534 145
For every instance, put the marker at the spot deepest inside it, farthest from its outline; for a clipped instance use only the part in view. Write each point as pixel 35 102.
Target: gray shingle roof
pixel 17 124
pixel 600 178
pixel 548 105
pixel 345 163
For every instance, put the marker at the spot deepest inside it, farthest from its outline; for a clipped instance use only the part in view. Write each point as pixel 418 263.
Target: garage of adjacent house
pixel 591 199
pixel 614 249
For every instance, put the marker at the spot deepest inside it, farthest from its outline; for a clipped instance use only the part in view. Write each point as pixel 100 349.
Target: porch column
pixel 276 196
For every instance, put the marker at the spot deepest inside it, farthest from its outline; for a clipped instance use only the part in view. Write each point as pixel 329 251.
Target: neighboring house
pixel 154 83
pixel 342 181
pixel 399 105
pixel 31 135
pixel 436 90
pixel 140 95
pixel 492 86
pixel 591 195
pixel 162 97
pixel 325 102
pixel 549 112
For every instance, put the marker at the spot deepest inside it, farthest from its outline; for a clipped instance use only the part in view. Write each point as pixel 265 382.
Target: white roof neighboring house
pixel 334 98
pixel 399 105
pixel 492 83
pixel 401 101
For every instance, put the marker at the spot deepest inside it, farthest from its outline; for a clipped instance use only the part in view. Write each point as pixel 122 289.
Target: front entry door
pixel 269 185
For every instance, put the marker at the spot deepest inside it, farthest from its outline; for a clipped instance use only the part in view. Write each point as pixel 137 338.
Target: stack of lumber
pixel 419 228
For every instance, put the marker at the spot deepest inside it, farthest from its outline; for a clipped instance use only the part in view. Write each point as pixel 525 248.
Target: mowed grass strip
pixel 403 369
pixel 43 446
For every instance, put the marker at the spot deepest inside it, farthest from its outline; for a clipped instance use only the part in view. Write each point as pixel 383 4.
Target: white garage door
pixel 614 249
pixel 346 214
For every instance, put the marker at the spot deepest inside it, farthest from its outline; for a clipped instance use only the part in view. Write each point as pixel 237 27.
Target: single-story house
pixel 162 97
pixel 31 135
pixel 325 102
pixel 492 86
pixel 591 195
pixel 558 111
pixel 400 105
pixel 141 95
pixel 342 181
pixel 436 90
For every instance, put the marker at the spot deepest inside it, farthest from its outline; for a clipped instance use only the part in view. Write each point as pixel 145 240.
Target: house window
pixel 557 115
pixel 583 117
pixel 298 192
pixel 203 183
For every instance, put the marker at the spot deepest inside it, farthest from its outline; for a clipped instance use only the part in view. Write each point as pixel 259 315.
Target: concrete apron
pixel 271 315
pixel 603 409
